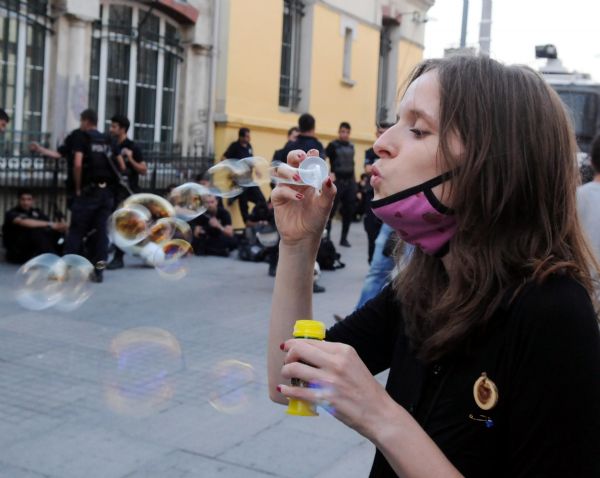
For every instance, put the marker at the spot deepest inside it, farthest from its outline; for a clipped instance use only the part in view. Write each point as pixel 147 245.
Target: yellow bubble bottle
pixel 305 329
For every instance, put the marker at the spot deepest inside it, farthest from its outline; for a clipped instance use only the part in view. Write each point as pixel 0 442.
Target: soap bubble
pixel 162 230
pixel 76 284
pixel 158 206
pixel 231 380
pixel 39 282
pixel 224 177
pixel 181 230
pixel 257 173
pixel 50 281
pixel 141 378
pixel 187 200
pixel 129 225
pixel 170 259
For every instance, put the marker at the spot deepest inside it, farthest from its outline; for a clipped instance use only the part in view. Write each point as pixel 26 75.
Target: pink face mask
pixel 419 217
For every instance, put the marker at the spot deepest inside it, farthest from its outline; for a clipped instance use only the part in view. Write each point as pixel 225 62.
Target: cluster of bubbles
pixel 146 225
pixel 146 363
pixel 157 229
pixel 50 281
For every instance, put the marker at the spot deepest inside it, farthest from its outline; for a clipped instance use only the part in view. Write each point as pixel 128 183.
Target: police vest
pixel 343 165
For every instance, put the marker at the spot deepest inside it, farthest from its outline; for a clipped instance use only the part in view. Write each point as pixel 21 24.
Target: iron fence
pixel 45 177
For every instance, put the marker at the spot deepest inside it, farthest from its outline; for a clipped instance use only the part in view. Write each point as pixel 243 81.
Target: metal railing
pixel 45 177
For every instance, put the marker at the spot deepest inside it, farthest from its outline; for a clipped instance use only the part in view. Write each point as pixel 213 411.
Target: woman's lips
pixel 375 177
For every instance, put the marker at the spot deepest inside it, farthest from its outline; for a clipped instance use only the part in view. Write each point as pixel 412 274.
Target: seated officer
pixel 28 232
pixel 213 232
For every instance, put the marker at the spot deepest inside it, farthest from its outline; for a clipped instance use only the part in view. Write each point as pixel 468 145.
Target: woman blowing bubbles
pixel 489 333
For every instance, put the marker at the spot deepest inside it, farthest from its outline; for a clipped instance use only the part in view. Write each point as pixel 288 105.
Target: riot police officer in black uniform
pixel 95 176
pixel 133 159
pixel 341 157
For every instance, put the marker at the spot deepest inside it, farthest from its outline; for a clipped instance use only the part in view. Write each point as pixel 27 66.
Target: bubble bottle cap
pixel 307 329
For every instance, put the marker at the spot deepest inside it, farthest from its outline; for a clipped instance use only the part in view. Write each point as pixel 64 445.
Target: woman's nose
pixel 385 146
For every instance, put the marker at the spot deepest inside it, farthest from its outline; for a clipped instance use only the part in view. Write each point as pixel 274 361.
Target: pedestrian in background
pixel 588 200
pixel 28 232
pixel 241 149
pixel 341 159
pixel 306 139
pixel 127 152
pixel 94 183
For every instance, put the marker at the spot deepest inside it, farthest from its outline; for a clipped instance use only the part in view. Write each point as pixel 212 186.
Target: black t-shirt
pixel 75 141
pixel 305 143
pixel 131 174
pixel 10 230
pixel 237 150
pixel 203 221
pixel 370 157
pixel 543 353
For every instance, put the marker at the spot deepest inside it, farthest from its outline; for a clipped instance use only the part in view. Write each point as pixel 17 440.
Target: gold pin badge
pixel 485 392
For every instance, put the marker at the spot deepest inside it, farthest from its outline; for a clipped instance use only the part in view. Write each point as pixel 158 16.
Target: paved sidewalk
pixel 78 398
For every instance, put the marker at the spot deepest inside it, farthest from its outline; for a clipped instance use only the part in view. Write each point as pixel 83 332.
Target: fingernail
pixel 296 177
pixel 279 388
pixel 329 182
pixel 299 195
pixel 282 345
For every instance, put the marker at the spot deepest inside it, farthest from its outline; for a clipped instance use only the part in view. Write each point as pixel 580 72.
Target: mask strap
pixel 431 183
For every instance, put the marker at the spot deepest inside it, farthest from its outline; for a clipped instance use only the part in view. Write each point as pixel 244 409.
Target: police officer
pixel 133 159
pixel 94 178
pixel 341 157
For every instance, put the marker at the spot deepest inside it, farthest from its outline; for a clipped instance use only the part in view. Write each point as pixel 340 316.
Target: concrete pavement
pixel 152 378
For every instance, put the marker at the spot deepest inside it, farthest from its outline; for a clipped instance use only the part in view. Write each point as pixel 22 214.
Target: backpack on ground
pixel 327 257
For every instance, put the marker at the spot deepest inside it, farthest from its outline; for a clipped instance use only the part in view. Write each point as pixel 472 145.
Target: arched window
pixel 24 27
pixel 135 55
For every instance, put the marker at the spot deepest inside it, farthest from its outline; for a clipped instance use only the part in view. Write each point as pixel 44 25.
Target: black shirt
pixel 543 353
pixel 204 222
pixel 305 143
pixel 11 231
pixel 75 141
pixel 336 150
pixel 237 150
pixel 130 172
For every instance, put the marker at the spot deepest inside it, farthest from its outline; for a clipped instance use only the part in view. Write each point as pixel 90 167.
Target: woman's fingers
pixel 295 157
pixel 303 372
pixel 282 195
pixel 303 351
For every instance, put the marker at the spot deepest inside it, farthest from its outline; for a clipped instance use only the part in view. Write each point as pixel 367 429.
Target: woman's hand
pixel 300 211
pixel 340 380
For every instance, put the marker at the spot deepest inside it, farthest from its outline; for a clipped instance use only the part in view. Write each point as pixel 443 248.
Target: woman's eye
pixel 419 133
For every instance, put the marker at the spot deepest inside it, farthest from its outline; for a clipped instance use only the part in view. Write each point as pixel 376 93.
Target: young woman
pixel 489 333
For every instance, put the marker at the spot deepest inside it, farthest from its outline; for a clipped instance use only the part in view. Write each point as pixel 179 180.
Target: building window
pixel 289 77
pixel 135 57
pixel 24 27
pixel 385 49
pixel 347 66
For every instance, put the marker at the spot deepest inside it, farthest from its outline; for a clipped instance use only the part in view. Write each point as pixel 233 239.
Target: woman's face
pixel 408 150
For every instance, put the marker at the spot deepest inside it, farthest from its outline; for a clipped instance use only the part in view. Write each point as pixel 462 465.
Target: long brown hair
pixel 513 195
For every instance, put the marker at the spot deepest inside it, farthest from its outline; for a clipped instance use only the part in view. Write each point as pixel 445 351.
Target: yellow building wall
pixel 331 100
pixel 252 88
